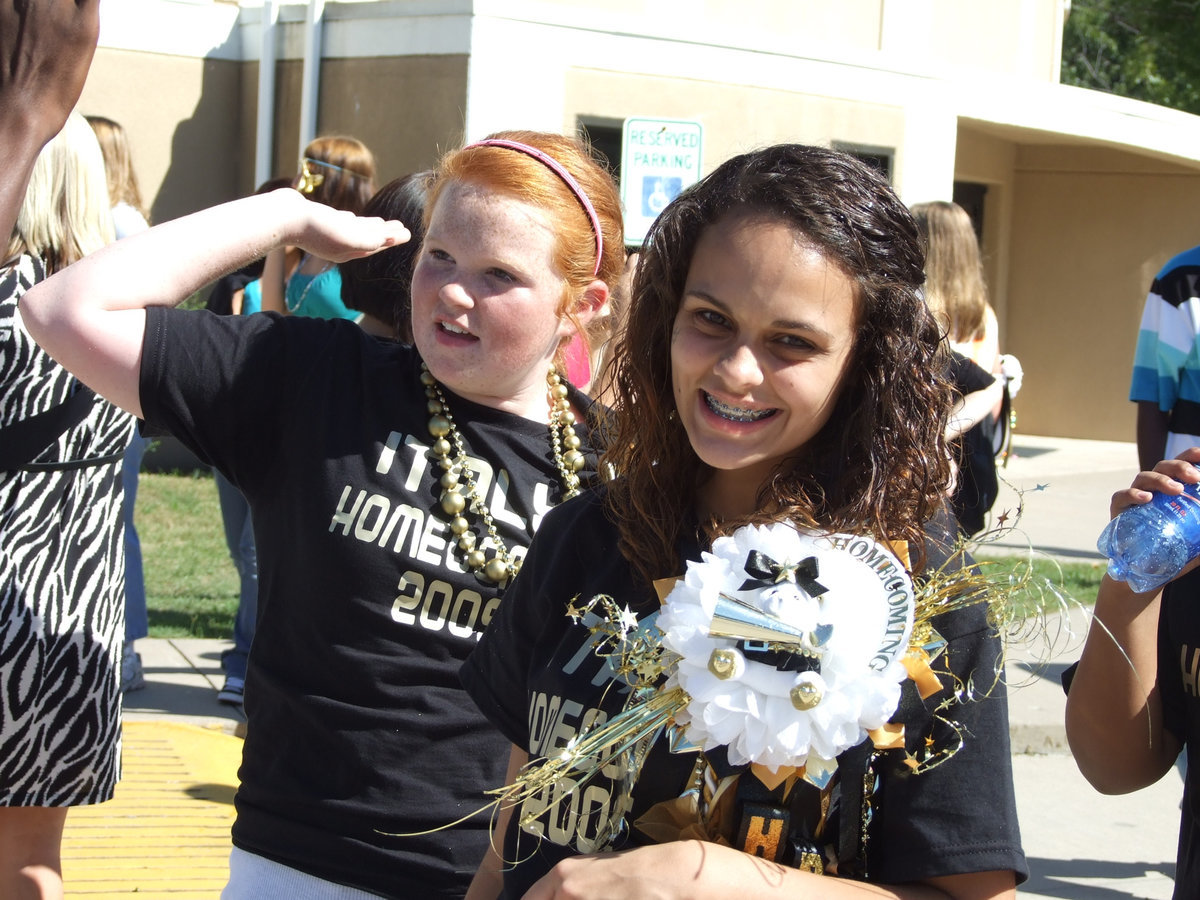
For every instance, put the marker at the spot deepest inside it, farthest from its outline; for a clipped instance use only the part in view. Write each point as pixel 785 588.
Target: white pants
pixel 253 877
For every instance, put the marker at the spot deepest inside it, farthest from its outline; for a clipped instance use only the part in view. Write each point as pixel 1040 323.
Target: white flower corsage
pixel 790 645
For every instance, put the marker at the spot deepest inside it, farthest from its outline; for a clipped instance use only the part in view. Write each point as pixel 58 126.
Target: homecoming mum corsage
pixel 778 658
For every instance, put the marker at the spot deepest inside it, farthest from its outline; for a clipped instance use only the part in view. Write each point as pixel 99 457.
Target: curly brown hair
pixel 880 465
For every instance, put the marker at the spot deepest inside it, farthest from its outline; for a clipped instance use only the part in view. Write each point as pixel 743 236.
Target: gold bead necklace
pixel 456 472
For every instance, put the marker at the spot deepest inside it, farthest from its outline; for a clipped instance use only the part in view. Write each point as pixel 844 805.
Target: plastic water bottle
pixel 1147 545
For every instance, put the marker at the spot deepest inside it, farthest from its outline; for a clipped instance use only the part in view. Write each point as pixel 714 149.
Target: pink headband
pixel 554 166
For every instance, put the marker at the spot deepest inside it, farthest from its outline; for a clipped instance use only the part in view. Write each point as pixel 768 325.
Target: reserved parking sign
pixel 659 158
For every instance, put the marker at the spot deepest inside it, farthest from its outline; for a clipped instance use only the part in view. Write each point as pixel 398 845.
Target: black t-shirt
pixel 536 676
pixel 359 729
pixel 977 485
pixel 1179 687
pixel 220 298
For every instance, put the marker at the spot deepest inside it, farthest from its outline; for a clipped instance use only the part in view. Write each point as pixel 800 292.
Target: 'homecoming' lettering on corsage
pixel 793 669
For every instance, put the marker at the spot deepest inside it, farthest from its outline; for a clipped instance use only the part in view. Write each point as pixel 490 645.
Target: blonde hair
pixel 118 163
pixel 954 285
pixel 66 212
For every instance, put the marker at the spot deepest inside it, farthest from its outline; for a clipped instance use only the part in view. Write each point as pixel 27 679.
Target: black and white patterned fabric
pixel 62 582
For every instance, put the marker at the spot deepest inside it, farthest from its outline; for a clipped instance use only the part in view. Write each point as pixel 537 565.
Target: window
pixel 970 196
pixel 605 138
pixel 879 158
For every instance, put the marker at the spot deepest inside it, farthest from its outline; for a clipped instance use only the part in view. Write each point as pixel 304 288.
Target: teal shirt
pixel 252 297
pixel 319 296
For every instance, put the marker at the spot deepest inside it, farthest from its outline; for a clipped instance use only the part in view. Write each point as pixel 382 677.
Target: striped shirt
pixel 1166 365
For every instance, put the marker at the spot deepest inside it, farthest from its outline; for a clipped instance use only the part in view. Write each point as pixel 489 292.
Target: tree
pixel 1144 49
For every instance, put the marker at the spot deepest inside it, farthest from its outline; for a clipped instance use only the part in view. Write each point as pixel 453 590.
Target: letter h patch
pixel 763 831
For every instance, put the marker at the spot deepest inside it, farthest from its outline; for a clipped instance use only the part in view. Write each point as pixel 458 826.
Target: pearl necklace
pixel 456 473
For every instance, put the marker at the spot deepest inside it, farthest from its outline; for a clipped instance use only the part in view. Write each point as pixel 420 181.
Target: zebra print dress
pixel 62 582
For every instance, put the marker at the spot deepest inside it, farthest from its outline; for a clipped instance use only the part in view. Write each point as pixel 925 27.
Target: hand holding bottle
pixel 1154 535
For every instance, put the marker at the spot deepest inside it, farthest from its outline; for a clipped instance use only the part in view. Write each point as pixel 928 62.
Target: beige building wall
pixel 191 122
pixel 191 119
pixel 735 118
pixel 1019 38
pixel 407 110
pixel 1087 194
pixel 1091 228
pixel 184 120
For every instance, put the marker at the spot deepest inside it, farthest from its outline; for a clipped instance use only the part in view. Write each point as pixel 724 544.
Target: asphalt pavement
pixel 1081 845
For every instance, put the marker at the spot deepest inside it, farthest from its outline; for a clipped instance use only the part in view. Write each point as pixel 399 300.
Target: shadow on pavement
pixel 185 700
pixel 1049 671
pixel 217 793
pixel 1048 877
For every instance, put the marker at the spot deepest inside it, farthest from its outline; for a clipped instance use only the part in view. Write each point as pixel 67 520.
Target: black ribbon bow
pixel 767 572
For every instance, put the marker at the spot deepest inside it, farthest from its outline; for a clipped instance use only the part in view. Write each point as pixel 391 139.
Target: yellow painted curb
pixel 165 833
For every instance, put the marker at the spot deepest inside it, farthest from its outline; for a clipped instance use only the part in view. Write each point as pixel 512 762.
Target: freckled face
pixel 761 343
pixel 486 295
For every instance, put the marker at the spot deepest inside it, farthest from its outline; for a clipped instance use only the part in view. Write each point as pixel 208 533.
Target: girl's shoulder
pixel 583 514
pixel 942 548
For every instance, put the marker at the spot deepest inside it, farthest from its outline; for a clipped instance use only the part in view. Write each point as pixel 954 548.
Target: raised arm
pixel 1152 428
pixel 91 316
pixel 1114 714
pixel 274 275
pixel 972 409
pixel 46 48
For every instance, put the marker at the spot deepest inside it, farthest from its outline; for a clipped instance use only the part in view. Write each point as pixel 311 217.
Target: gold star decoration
pixel 787 572
pixel 573 611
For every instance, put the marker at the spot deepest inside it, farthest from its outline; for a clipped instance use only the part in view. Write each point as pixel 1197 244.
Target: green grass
pixel 1077 580
pixel 191 585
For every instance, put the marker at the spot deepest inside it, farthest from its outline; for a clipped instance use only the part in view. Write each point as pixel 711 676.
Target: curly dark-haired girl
pixel 779 366
pixel 878 462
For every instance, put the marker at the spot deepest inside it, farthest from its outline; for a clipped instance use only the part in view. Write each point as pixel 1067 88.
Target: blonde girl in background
pixel 957 295
pixel 954 286
pixel 129 212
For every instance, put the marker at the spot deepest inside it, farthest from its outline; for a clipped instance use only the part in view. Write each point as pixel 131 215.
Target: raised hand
pixel 1167 477
pixel 46 48
pixel 337 235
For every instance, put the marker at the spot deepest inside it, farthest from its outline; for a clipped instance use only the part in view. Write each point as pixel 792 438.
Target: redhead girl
pixel 779 364
pixel 394 489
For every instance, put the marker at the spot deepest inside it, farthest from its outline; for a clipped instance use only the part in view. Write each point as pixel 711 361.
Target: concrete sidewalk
pixel 1061 489
pixel 1080 844
pixel 183 676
